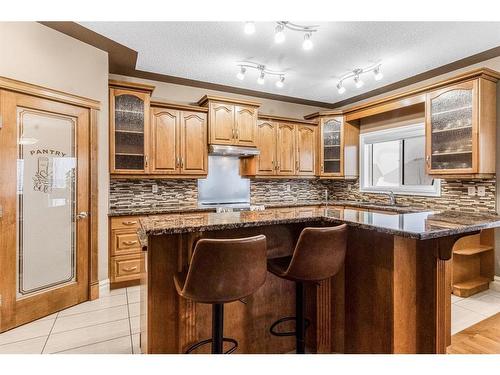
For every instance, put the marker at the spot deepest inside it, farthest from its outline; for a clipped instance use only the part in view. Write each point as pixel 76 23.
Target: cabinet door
pixel 221 124
pixel 245 125
pixel 452 130
pixel 129 125
pixel 331 147
pixel 306 150
pixel 286 149
pixel 165 141
pixel 194 152
pixel 266 143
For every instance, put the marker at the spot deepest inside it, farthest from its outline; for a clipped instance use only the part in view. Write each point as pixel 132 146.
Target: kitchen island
pixel 393 295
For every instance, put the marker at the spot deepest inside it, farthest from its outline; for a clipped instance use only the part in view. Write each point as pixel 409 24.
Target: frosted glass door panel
pixel 46 190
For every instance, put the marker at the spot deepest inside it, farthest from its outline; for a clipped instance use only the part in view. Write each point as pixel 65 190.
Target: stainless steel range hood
pixel 232 151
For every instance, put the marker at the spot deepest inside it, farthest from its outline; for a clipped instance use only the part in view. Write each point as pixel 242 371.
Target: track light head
pixel 340 88
pixel 378 74
pixel 261 80
pixel 249 28
pixel 307 44
pixel 358 82
pixel 281 82
pixel 279 36
pixel 241 73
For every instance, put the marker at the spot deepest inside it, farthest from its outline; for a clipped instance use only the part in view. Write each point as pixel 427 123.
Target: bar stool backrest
pixel 319 253
pixel 225 270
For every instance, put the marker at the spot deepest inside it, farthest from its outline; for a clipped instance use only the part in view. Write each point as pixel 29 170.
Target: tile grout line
pixel 129 324
pixel 48 336
pixel 94 343
pixel 85 312
pixel 90 325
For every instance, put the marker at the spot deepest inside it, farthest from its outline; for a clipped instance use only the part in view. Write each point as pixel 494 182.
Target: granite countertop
pixel 417 225
pixel 148 210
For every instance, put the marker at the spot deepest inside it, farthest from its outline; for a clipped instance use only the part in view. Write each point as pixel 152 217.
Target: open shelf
pixel 470 287
pixel 128 154
pixel 129 131
pixel 466 108
pixel 473 250
pixel 451 153
pixel 437 131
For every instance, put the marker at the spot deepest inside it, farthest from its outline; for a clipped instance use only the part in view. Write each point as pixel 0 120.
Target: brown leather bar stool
pixel 318 255
pixel 222 271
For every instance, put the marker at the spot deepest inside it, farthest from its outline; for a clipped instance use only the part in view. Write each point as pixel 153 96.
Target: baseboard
pixel 103 287
pixel 495 284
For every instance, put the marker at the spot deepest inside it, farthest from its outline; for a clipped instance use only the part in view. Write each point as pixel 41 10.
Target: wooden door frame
pixel 93 107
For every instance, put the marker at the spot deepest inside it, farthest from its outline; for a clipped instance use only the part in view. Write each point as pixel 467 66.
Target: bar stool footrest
pixel 286 319
pixel 209 341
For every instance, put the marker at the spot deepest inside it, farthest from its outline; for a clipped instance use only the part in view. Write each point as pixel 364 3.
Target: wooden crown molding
pixel 122 60
pixel 315 115
pixel 263 116
pixel 131 86
pixel 212 98
pixel 43 92
pixel 158 103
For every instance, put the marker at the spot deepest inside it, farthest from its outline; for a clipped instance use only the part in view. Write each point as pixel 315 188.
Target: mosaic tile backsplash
pixel 137 194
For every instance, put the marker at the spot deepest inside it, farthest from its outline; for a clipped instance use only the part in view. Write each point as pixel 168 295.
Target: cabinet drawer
pixel 124 241
pixel 131 222
pixel 125 268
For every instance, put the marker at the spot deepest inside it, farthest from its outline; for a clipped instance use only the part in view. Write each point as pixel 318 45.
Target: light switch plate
pixel 471 190
pixel 481 191
pixel 154 189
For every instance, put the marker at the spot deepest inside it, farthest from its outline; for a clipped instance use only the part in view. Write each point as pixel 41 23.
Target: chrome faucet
pixel 392 198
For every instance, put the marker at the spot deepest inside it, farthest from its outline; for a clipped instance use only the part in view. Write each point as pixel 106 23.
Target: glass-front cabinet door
pixel 129 127
pixel 331 147
pixel 452 129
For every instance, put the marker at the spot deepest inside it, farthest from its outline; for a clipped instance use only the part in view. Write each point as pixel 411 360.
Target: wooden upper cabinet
pixel 165 141
pixel 245 125
pixel 461 129
pixel 221 122
pixel 129 126
pixel 286 149
pixel 306 150
pixel 266 143
pixel 231 121
pixel 193 144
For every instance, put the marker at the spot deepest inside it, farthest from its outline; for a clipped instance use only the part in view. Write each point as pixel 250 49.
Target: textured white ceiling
pixel 208 51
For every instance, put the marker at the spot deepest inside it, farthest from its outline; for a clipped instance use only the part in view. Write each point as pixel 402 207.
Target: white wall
pixel 36 54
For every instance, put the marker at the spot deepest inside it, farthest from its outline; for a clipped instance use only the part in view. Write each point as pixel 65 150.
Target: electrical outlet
pixel 154 189
pixel 349 187
pixel 288 188
pixel 471 190
pixel 481 191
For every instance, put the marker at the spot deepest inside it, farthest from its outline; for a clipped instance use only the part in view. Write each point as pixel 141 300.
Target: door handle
pixel 182 162
pixel 177 161
pixel 130 269
pixel 82 215
pixel 128 243
pixel 145 161
pixel 129 222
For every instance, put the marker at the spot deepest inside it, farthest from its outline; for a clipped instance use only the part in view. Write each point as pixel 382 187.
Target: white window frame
pixel 394 134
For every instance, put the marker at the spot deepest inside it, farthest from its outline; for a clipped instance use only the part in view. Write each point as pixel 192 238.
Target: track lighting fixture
pixel 263 71
pixel 241 73
pixel 279 32
pixel 356 75
pixel 249 28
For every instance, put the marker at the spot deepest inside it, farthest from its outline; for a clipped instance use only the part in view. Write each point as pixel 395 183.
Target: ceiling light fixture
pixel 241 73
pixel 263 71
pixel 356 74
pixel 279 33
pixel 281 82
pixel 249 28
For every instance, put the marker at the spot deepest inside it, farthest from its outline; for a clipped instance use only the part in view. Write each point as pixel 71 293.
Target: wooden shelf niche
pixel 473 263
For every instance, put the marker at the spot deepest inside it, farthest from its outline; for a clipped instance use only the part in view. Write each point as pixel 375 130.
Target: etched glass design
pixel 46 201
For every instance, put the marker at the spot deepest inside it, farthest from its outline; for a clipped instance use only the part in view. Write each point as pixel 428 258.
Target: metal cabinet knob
pixel 82 215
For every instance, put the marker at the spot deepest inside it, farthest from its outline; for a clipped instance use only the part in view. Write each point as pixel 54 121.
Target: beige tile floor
pixel 110 325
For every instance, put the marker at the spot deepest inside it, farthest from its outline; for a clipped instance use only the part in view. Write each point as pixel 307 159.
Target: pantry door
pixel 44 197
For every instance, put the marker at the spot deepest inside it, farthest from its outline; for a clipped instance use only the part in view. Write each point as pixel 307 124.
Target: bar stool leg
pixel 217 328
pixel 300 322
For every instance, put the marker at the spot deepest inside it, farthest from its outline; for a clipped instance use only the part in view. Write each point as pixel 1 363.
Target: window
pixel 394 160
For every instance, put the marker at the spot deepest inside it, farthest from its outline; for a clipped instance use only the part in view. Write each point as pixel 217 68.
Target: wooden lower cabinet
pixel 124 251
